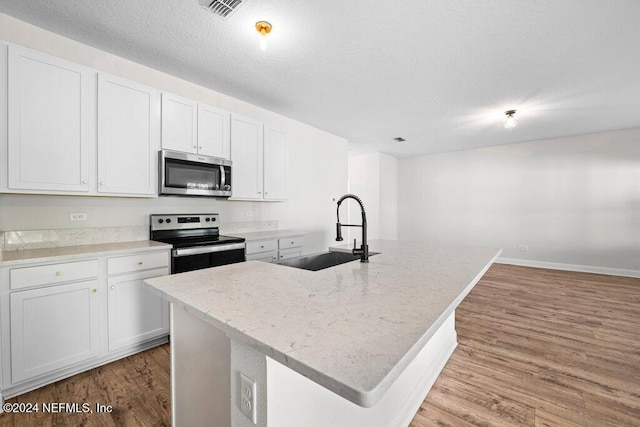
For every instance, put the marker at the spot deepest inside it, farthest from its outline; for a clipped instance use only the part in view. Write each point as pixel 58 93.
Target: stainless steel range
pixel 196 241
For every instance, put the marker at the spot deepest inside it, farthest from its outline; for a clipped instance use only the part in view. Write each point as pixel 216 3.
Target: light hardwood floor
pixel 536 348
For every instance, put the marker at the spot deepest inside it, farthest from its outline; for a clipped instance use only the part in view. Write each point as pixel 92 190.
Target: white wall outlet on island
pixel 523 247
pixel 249 213
pixel 248 397
pixel 77 216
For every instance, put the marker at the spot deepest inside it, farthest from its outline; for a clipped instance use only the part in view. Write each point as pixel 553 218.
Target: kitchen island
pixel 354 344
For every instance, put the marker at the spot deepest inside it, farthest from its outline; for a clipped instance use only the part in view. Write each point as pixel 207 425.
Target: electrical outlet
pixel 523 247
pixel 249 213
pixel 77 216
pixel 248 397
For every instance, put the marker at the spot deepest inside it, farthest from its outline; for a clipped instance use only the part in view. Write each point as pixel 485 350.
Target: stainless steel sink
pixel 322 260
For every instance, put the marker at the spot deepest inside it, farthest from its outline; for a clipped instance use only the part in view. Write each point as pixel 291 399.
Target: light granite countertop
pixel 266 235
pixel 352 328
pixel 68 253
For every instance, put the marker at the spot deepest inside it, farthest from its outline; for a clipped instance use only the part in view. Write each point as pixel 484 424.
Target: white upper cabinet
pixel 213 132
pixel 196 128
pixel 259 155
pixel 247 143
pixel 50 126
pixel 275 164
pixel 128 136
pixel 179 123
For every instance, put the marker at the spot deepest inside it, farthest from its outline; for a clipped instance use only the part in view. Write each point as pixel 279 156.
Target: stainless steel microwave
pixel 185 174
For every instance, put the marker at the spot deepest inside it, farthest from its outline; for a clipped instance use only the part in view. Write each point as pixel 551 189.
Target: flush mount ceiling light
pixel 399 139
pixel 510 121
pixel 263 28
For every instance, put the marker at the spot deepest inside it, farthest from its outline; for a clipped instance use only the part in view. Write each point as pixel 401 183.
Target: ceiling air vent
pixel 224 7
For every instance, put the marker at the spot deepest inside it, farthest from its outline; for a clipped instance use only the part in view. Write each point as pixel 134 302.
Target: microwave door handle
pixel 223 177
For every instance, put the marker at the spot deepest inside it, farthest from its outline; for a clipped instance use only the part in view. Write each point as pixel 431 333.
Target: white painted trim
pixel 570 267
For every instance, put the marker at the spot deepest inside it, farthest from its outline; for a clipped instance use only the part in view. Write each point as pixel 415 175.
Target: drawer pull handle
pixel 94 290
pixel 139 262
pixel 58 273
pixel 113 286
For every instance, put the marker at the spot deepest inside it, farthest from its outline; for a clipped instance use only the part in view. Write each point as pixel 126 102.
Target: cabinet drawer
pixel 270 256
pixel 261 246
pixel 138 262
pixel 290 242
pixel 27 277
pixel 290 253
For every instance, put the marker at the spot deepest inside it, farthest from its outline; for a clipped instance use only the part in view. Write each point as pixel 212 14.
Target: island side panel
pixel 294 400
pixel 200 372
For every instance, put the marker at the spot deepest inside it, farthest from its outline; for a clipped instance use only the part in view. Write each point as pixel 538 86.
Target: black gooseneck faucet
pixel 364 248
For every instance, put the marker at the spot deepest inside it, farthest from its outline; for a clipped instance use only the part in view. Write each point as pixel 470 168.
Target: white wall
pixel 317 160
pixel 572 200
pixel 374 178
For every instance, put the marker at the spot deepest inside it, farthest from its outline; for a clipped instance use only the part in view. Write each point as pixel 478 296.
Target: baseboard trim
pixel 570 267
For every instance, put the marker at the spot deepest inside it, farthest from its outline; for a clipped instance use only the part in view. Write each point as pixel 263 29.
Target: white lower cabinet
pixel 135 313
pixel 59 319
pixel 272 250
pixel 53 327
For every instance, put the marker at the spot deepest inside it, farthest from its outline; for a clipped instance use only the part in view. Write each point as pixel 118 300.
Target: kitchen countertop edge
pixel 70 253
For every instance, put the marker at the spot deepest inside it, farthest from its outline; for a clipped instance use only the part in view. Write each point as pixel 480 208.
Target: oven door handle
pixel 206 249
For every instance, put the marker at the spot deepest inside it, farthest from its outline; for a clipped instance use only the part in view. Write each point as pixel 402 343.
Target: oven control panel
pixel 183 221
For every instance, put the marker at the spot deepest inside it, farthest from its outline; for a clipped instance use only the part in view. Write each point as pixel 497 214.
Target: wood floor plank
pixel 537 347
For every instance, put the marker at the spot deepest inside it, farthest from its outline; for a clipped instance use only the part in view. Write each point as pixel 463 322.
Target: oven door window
pixel 191 175
pixel 200 261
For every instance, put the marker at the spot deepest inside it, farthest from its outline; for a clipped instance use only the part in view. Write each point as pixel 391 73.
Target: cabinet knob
pixel 101 183
pixel 292 243
pixel 195 146
pixel 94 290
pixel 58 273
pixel 261 246
pixel 113 286
pixel 259 192
pixel 139 262
pixel 84 181
pixel 200 147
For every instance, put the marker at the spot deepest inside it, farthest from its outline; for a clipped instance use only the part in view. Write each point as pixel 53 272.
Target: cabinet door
pixel 179 123
pixel 135 314
pixel 213 132
pixel 50 102
pixel 128 136
pixel 53 327
pixel 247 139
pixel 275 164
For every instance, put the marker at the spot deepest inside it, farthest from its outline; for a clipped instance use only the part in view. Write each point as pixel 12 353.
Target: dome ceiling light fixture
pixel 263 28
pixel 510 121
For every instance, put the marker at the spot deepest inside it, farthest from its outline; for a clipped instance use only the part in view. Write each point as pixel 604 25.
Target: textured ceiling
pixel 438 73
